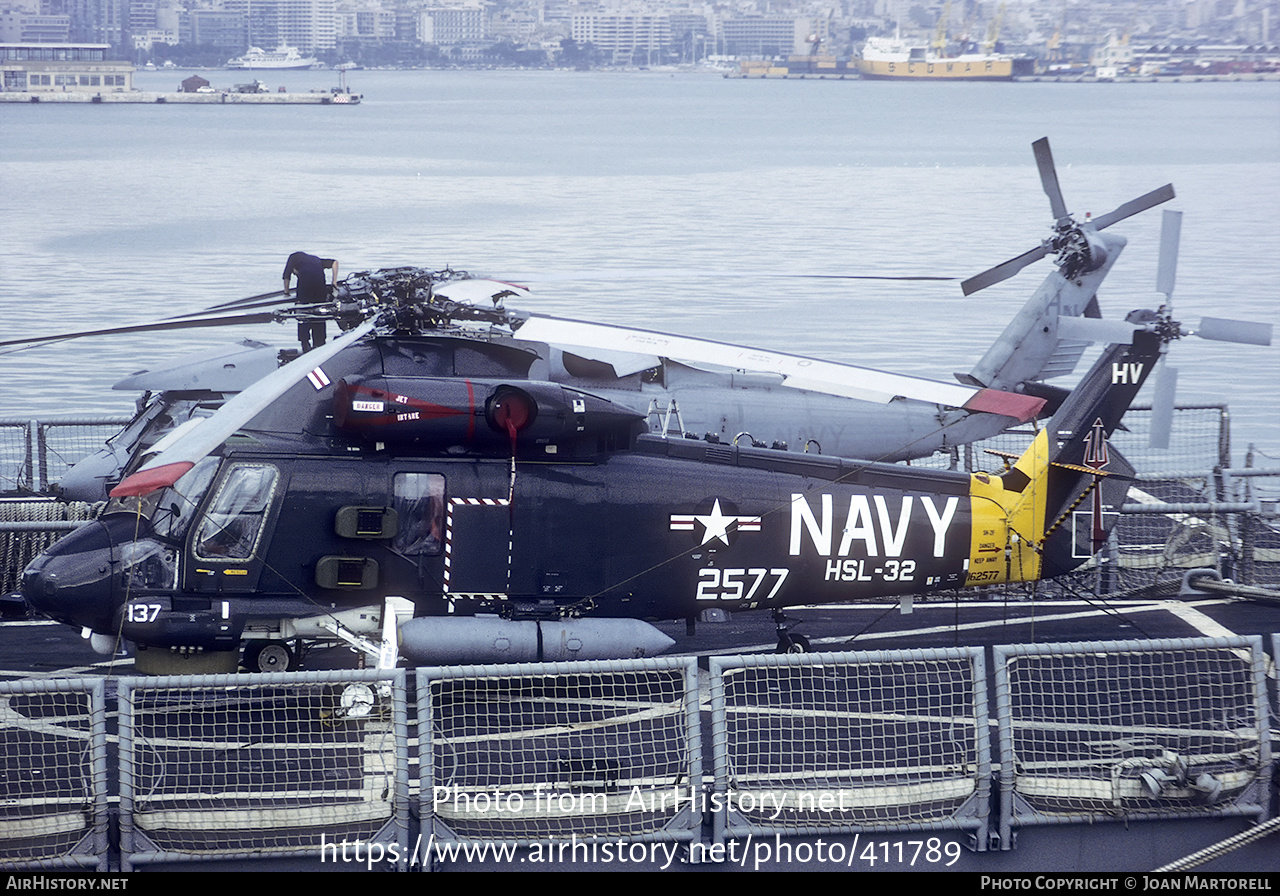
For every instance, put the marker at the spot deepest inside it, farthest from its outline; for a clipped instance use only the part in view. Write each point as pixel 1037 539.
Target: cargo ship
pixel 796 67
pixel 893 58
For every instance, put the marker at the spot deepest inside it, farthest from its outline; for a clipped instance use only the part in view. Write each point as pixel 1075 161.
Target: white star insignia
pixel 715 525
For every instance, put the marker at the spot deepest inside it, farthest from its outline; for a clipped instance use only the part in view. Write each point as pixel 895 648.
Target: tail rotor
pixel 1212 328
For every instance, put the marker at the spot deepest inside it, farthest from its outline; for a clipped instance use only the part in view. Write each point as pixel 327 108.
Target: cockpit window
pixel 170 510
pixel 178 503
pixel 232 526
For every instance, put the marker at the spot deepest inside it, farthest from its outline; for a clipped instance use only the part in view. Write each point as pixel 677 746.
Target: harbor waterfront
pixel 676 201
pixel 218 97
pixel 716 208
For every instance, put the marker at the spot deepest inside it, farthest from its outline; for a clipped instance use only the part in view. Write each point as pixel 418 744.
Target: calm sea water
pixel 679 202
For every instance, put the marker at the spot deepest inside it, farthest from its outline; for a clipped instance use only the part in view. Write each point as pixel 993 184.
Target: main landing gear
pixel 787 641
pixel 270 656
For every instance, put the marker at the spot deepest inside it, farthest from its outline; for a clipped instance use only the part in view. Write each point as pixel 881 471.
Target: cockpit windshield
pixel 170 510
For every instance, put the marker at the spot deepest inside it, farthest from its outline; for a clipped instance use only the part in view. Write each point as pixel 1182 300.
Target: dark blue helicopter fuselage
pixel 662 530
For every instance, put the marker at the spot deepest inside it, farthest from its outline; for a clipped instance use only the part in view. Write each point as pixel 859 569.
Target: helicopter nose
pixel 72 581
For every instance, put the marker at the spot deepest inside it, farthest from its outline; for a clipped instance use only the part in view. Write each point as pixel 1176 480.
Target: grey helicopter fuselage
pixel 754 408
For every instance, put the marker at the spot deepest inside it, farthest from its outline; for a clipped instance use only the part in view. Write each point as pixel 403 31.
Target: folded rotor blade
pixel 189 323
pixel 1049 178
pixel 807 374
pixel 638 275
pixel 1133 206
pixel 1170 233
pixel 1221 329
pixel 183 452
pixel 1002 271
pixel 866 277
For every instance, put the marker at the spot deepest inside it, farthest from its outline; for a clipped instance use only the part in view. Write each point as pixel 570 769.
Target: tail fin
pixel 1087 475
pixel 1058 502
pixel 1108 389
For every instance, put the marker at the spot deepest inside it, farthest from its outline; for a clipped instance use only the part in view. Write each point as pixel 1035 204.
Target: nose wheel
pixel 788 642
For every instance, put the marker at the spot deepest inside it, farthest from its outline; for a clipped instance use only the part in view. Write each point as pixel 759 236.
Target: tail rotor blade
pixel 1170 233
pixel 1049 178
pixel 1221 329
pixel 1133 206
pixel 1095 329
pixel 1162 405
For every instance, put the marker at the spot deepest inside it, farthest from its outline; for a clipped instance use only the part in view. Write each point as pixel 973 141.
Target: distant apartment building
pixel 216 28
pixel 764 35
pixel 446 25
pixel 140 16
pixel 149 22
pixel 557 11
pixel 48 68
pixel 406 23
pixel 365 21
pixel 623 36
pixel 20 26
pixel 691 35
pixel 308 25
pixel 513 24
pixel 92 21
pixel 148 39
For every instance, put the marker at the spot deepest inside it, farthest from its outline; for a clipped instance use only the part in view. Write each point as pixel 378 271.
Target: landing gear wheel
pixel 789 643
pixel 269 656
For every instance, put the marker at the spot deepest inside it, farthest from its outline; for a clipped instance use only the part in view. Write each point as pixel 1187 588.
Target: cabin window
pixel 419 505
pixel 232 526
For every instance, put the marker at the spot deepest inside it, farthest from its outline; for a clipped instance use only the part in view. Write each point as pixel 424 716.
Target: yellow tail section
pixel 1008 519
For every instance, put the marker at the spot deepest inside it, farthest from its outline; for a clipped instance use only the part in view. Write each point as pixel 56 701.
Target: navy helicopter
pixel 679 384
pixel 501 513
pixel 486 513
